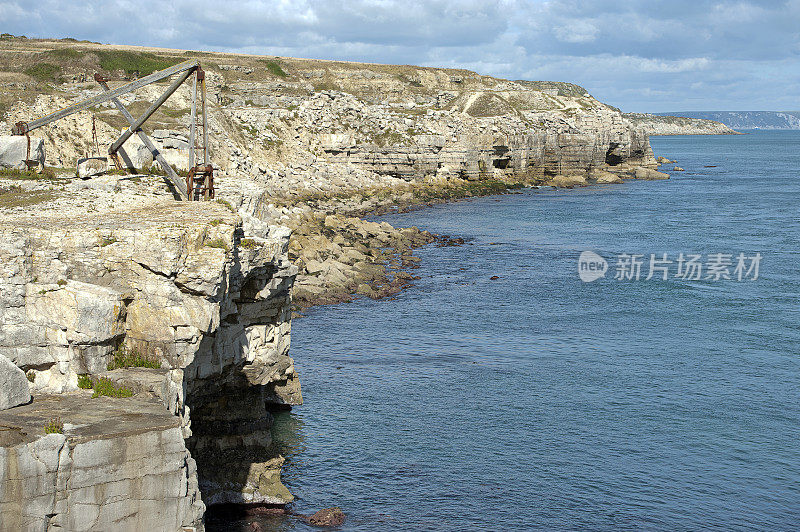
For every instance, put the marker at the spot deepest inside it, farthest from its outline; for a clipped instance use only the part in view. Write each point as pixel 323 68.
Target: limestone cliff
pixel 181 311
pixel 117 268
pixel 677 125
pixel 302 126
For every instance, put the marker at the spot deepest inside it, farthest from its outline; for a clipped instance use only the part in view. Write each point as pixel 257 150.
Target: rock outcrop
pixel 178 314
pixel 13 385
pixel 677 125
pixel 120 464
pixel 179 284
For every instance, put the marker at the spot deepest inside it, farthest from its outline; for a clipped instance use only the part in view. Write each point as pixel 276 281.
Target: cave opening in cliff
pixel 613 158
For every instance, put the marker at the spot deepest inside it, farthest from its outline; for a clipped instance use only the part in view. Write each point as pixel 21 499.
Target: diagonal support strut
pixel 150 110
pixel 180 187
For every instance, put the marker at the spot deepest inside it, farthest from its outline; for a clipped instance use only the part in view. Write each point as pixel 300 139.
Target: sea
pixel 523 384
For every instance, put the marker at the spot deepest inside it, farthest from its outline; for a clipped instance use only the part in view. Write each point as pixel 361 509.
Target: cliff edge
pixel 136 322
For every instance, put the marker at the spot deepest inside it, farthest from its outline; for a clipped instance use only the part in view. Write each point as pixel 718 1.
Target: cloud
pixel 579 31
pixel 635 54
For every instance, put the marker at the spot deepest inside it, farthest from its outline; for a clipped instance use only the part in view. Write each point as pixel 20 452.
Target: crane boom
pixel 22 128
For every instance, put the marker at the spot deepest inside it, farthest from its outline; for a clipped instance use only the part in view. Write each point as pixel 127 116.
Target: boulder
pixel 649 174
pixel 603 178
pixel 14 389
pixel 663 160
pixel 14 149
pixel 678 169
pixel 91 167
pixel 568 181
pixel 135 155
pixel 327 517
pixel 177 158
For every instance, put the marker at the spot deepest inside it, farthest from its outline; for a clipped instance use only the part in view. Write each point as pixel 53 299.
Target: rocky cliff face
pixel 677 125
pixel 305 126
pixel 182 285
pixel 181 311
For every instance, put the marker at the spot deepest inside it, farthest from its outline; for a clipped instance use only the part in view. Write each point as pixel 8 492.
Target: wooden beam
pixel 22 127
pixel 174 179
pixel 150 110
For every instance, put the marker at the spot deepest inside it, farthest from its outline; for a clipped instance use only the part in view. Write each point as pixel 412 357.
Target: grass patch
pixel 326 86
pixel 54 426
pixel 84 382
pixel 123 358
pixel 106 387
pixel 410 81
pixel 64 53
pixel 31 376
pixel 218 243
pixel 107 241
pixel 143 63
pixel 14 199
pixel 248 243
pixel 390 138
pixel 227 204
pixel 274 68
pixel 14 173
pixel 216 222
pixel 44 72
pixel 61 282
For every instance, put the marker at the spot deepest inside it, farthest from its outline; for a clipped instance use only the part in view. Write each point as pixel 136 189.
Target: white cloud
pixel 616 48
pixel 579 31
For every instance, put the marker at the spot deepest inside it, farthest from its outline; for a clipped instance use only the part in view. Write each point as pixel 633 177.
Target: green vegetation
pixel 106 387
pixel 123 358
pixel 406 79
pixel 31 375
pixel 44 72
pixel 174 113
pixel 54 426
pixel 218 243
pixel 228 205
pixel 84 382
pixel 390 138
pixel 326 86
pixel 248 243
pixel 14 173
pixel 61 282
pixel 107 241
pixel 274 68
pixel 65 53
pixel 215 222
pixel 143 63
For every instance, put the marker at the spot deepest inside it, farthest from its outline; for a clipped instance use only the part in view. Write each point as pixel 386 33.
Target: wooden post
pixel 193 123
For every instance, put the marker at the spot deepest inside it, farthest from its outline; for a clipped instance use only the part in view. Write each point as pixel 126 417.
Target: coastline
pixel 113 287
pixel 341 255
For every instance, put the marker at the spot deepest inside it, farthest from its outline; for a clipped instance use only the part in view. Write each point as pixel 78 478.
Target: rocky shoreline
pixel 116 299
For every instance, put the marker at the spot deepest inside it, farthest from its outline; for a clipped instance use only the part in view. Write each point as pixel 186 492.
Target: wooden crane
pixel 201 178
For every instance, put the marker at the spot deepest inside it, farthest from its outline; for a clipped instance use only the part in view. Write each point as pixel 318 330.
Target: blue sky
pixel 638 55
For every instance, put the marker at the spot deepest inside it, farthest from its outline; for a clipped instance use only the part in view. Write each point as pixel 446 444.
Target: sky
pixel 639 55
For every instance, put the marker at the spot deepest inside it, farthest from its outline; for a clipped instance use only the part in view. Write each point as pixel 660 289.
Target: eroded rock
pixel 13 385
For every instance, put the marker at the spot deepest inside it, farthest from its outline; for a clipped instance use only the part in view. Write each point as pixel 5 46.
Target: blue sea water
pixel 537 401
